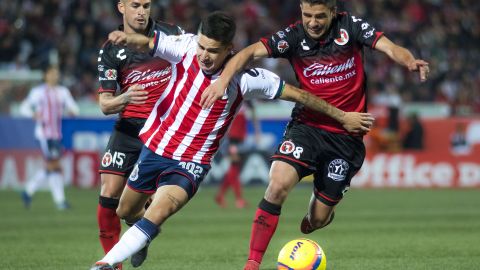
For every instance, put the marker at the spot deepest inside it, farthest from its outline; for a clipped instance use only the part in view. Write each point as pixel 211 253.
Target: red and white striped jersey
pixel 48 104
pixel 178 128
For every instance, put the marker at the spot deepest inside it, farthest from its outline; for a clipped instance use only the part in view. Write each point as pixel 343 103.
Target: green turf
pixel 373 229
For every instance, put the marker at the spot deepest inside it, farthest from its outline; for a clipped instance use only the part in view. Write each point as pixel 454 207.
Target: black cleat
pixel 138 258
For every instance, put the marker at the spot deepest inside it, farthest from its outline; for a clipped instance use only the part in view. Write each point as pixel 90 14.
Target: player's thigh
pixel 131 202
pixel 283 177
pixel 167 201
pixel 111 185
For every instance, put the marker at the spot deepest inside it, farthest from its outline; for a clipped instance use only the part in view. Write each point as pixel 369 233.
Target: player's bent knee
pixel 277 192
pixel 125 211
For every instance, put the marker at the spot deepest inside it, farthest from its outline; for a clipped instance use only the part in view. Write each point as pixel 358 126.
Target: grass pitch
pixel 373 229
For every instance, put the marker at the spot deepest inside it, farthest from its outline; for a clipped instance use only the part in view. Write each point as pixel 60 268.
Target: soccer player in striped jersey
pixel 47 103
pixel 181 141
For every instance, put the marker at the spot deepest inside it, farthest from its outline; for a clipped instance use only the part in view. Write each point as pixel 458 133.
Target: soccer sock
pixel 234 176
pixel 134 239
pixel 55 180
pixel 263 228
pixel 223 186
pixel 108 222
pixel 32 186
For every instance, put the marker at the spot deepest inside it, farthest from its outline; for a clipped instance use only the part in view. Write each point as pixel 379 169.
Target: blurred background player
pixel 47 103
pixel 181 142
pixel 325 50
pixel 118 69
pixel 236 138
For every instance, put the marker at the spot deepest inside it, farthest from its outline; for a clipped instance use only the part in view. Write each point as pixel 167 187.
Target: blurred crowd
pixel 446 33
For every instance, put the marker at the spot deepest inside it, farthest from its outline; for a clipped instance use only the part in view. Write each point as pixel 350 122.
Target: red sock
pixel 234 176
pixel 223 187
pixel 263 228
pixel 109 226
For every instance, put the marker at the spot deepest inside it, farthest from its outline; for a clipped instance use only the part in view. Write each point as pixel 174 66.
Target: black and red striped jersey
pixel 120 67
pixel 331 68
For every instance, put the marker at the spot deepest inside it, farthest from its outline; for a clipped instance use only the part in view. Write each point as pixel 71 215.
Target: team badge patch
pixel 282 46
pixel 338 169
pixel 343 39
pixel 134 173
pixel 107 159
pixel 287 147
pixel 111 74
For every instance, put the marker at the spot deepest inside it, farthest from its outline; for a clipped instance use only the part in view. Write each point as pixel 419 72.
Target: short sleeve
pixel 260 83
pixel 70 103
pixel 29 104
pixel 107 69
pixel 281 44
pixel 364 32
pixel 172 48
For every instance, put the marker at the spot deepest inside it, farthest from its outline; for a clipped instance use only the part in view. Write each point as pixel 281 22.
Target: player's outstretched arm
pixel 353 122
pixel 216 90
pixel 403 57
pixel 136 42
pixel 110 104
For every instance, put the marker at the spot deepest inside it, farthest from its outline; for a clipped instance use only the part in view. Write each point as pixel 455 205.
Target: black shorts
pixel 123 148
pixel 332 158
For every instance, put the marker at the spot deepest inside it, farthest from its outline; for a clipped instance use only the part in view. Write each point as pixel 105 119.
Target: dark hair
pixel 329 3
pixel 218 26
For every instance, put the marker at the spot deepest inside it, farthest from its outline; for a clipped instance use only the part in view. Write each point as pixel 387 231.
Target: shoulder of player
pixel 108 48
pixel 167 28
pixel 253 73
pixel 346 19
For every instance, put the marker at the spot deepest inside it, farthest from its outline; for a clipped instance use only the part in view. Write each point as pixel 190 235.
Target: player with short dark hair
pixel 181 142
pixel 130 84
pixel 325 50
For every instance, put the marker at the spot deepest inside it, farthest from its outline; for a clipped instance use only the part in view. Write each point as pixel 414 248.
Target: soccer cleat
pixel 252 265
pixel 305 226
pixel 138 258
pixel 241 204
pixel 220 201
pixel 63 206
pixel 103 266
pixel 27 199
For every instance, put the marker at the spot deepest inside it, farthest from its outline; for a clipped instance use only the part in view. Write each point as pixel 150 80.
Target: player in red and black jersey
pixel 130 84
pixel 325 50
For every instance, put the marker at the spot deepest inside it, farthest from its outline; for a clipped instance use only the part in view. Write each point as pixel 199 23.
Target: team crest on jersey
pixel 282 46
pixel 287 147
pixel 111 74
pixel 281 34
pixel 107 159
pixel 338 169
pixel 343 39
pixel 134 173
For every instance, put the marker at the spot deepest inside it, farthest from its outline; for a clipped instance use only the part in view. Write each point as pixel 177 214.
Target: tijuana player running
pixel 140 81
pixel 325 50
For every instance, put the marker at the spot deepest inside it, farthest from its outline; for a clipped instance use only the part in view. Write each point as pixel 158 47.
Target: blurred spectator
pixel 35 33
pixel 458 142
pixel 413 139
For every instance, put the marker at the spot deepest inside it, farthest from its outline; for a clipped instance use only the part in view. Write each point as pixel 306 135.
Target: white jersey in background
pixel 48 105
pixel 185 131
